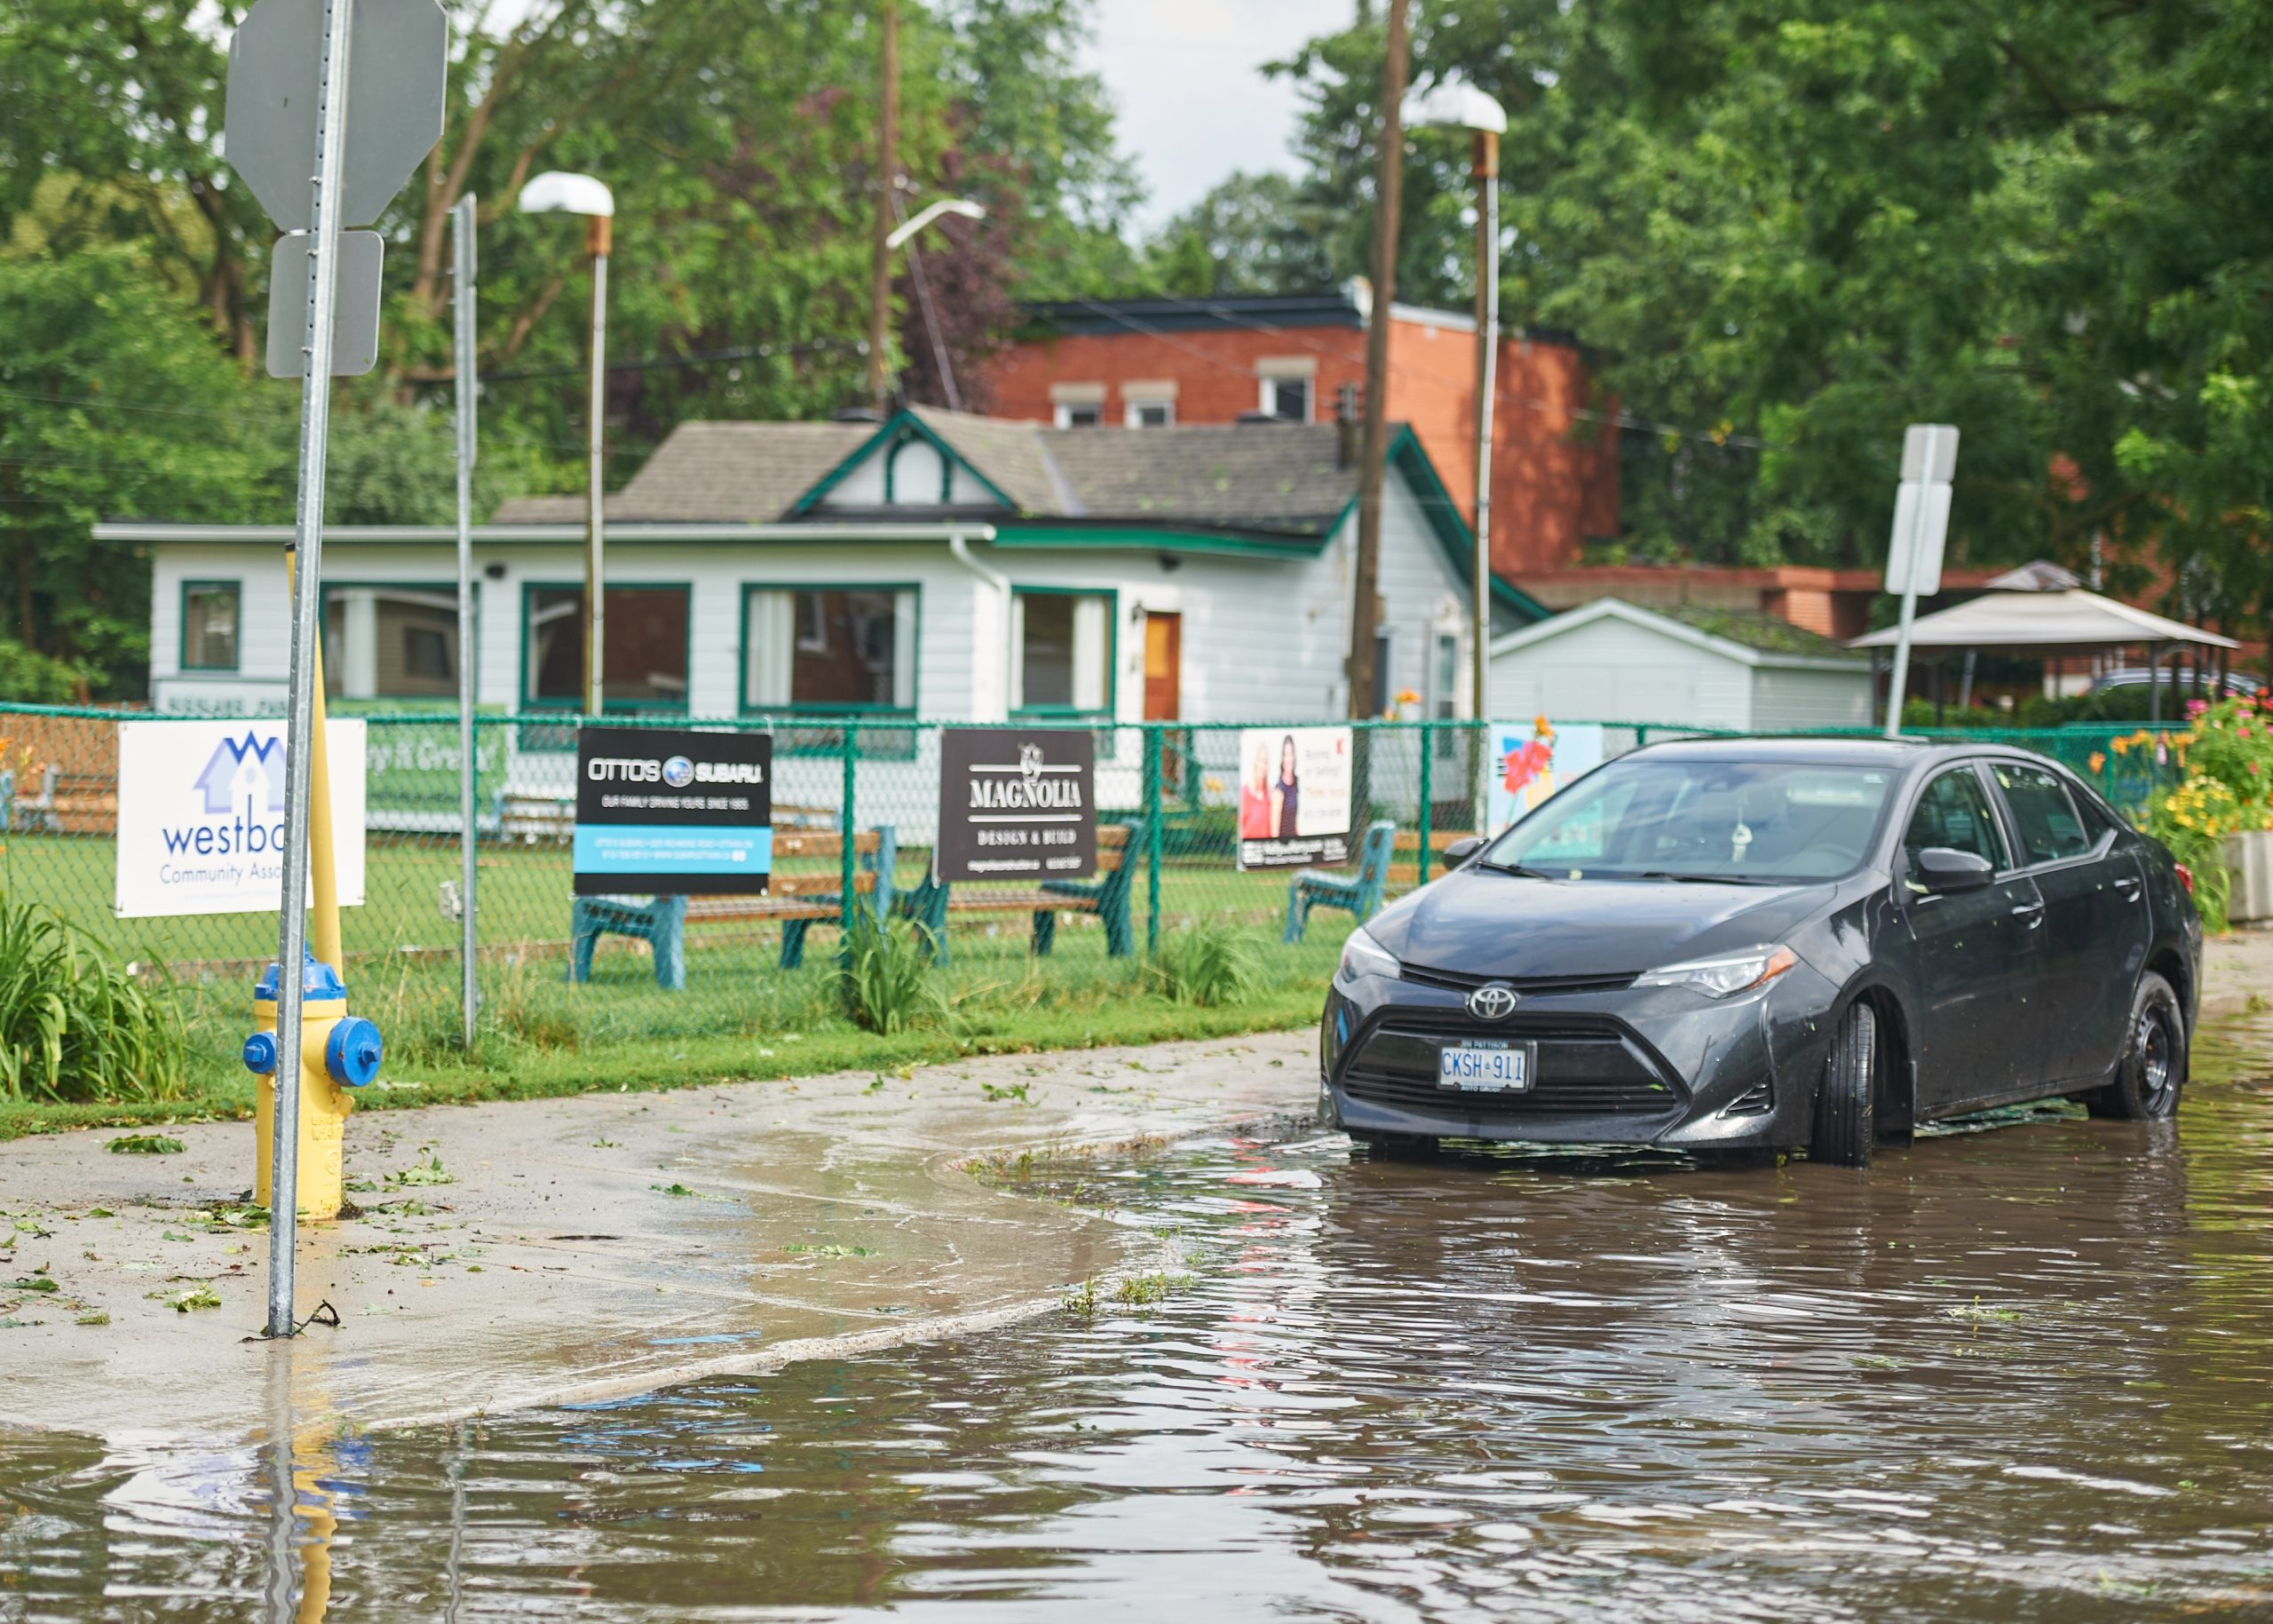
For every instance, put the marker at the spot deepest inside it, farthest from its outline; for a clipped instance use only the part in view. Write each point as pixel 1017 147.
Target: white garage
pixel 1681 665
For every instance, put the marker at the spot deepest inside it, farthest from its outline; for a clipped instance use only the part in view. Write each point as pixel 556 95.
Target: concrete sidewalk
pixel 583 1247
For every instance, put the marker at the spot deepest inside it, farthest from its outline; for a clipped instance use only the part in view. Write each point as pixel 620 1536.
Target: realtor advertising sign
pixel 673 811
pixel 1016 804
pixel 1531 761
pixel 1295 798
pixel 200 816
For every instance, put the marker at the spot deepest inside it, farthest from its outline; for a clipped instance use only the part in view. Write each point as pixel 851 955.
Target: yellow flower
pixel 2097 762
pixel 2121 747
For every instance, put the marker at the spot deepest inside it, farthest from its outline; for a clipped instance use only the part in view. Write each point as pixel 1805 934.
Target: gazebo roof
pixel 2046 621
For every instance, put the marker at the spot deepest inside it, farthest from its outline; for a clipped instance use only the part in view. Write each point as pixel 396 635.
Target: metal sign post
pixel 316 170
pixel 1922 524
pixel 307 605
pixel 462 242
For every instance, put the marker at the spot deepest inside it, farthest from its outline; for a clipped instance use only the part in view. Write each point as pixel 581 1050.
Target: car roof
pixel 1902 755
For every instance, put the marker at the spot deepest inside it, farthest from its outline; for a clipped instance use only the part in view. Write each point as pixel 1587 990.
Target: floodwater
pixel 2016 1372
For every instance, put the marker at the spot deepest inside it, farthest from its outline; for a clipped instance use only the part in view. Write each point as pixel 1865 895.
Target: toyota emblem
pixel 1493 1000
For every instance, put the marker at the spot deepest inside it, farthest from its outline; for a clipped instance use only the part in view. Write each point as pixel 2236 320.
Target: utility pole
pixel 887 185
pixel 1364 608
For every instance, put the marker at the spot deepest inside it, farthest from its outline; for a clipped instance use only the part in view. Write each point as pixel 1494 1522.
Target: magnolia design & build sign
pixel 1017 804
pixel 673 810
pixel 1295 798
pixel 200 816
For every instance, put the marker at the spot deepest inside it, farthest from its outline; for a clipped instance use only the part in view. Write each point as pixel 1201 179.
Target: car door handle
pixel 2031 912
pixel 2133 889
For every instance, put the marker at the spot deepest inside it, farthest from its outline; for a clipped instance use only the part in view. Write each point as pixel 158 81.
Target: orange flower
pixel 2097 762
pixel 2121 747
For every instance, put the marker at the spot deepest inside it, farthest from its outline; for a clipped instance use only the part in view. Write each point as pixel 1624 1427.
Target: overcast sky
pixel 1192 105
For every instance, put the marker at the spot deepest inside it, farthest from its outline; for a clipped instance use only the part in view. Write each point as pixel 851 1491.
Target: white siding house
pixel 936 567
pixel 1707 667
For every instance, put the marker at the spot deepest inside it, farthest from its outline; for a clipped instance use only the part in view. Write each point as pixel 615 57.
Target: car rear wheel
pixel 1845 1107
pixel 2152 1069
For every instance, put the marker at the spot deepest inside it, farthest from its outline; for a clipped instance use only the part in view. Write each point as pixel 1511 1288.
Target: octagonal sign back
pixel 396 66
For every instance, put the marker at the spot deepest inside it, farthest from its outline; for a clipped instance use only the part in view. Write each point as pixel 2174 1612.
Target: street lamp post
pixel 557 192
pixel 1463 107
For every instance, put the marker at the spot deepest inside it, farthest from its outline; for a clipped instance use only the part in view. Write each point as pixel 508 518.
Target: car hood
pixel 1499 924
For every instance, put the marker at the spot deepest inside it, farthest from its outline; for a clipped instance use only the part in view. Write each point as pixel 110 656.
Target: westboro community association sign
pixel 1016 804
pixel 673 810
pixel 200 816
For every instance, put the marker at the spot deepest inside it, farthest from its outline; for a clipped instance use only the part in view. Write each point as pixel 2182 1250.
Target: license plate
pixel 1486 1069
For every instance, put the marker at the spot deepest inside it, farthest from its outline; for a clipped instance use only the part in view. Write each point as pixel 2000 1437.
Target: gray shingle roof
pixel 713 472
pixel 1273 476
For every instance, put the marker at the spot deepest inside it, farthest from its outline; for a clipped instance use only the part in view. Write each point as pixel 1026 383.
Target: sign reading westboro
pixel 1016 804
pixel 673 810
pixel 200 816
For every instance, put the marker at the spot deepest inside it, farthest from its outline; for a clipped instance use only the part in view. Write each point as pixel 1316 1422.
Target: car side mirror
pixel 1462 849
pixel 1942 869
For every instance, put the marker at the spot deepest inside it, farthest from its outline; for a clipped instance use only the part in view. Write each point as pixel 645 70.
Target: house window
pixel 1444 689
pixel 1082 414
pixel 209 625
pixel 1384 686
pixel 646 653
pixel 1287 399
pixel 391 642
pixel 1149 403
pixel 1065 647
pixel 1151 413
pixel 830 648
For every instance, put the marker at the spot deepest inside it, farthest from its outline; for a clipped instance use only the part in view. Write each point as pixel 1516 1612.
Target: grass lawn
pixel 739 1018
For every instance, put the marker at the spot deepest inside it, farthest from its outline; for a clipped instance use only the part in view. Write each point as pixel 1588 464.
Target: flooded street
pixel 2019 1371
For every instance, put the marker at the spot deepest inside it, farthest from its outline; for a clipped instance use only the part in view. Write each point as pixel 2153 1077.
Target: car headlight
pixel 1362 955
pixel 1731 973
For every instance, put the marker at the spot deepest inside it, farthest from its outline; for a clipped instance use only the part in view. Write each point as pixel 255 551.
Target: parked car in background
pixel 2139 677
pixel 1751 944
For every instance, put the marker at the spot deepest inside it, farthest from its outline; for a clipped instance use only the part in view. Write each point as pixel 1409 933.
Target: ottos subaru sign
pixel 673 810
pixel 200 816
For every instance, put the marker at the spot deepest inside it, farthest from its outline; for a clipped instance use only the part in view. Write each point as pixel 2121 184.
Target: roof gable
pixel 1804 650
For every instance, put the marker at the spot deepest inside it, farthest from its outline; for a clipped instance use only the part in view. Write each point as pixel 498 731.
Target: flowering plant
pixel 2231 743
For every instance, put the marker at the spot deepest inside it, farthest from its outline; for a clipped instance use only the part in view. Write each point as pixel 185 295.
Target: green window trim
pixel 1077 713
pixel 881 714
pixel 236 591
pixel 530 702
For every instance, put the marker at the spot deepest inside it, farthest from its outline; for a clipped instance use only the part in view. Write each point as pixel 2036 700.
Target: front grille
pixel 1588 1065
pixel 1462 981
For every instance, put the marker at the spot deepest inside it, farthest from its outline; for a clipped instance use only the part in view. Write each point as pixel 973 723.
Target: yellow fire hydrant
pixel 337 1051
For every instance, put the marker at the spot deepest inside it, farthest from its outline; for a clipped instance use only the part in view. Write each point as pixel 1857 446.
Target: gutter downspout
pixel 959 547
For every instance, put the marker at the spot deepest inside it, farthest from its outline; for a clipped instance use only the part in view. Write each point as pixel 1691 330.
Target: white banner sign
pixel 200 816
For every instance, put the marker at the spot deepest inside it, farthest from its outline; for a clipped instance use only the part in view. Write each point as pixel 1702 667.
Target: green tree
pixel 114 402
pixel 1250 234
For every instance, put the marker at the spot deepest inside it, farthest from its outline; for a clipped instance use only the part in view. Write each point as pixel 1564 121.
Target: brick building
pixel 1149 362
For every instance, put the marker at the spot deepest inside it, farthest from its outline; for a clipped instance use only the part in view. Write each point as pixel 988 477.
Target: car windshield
pixel 1661 818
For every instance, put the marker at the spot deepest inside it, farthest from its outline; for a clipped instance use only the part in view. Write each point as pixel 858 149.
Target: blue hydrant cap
pixel 260 1054
pixel 318 979
pixel 351 1054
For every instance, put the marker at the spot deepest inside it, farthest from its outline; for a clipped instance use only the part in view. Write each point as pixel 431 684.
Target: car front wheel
pixel 2153 1067
pixel 1845 1114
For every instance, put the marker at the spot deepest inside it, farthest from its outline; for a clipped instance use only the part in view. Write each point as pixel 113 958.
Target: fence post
pixel 1155 739
pixel 849 828
pixel 1427 816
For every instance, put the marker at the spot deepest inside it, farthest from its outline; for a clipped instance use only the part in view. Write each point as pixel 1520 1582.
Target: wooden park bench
pixel 931 903
pixel 1406 871
pixel 797 900
pixel 1361 894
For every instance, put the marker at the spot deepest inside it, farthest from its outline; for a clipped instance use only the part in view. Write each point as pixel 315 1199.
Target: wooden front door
pixel 1163 666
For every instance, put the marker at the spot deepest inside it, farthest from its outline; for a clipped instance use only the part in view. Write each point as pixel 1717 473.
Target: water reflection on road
pixel 2015 1372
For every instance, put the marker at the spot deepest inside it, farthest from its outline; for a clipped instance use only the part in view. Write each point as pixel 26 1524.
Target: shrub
pixel 75 1025
pixel 1207 964
pixel 884 975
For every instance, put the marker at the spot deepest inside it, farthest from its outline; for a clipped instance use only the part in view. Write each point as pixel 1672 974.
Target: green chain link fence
pixel 1174 785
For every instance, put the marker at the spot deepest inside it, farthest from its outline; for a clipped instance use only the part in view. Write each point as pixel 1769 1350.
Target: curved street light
pixel 559 192
pixel 962 206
